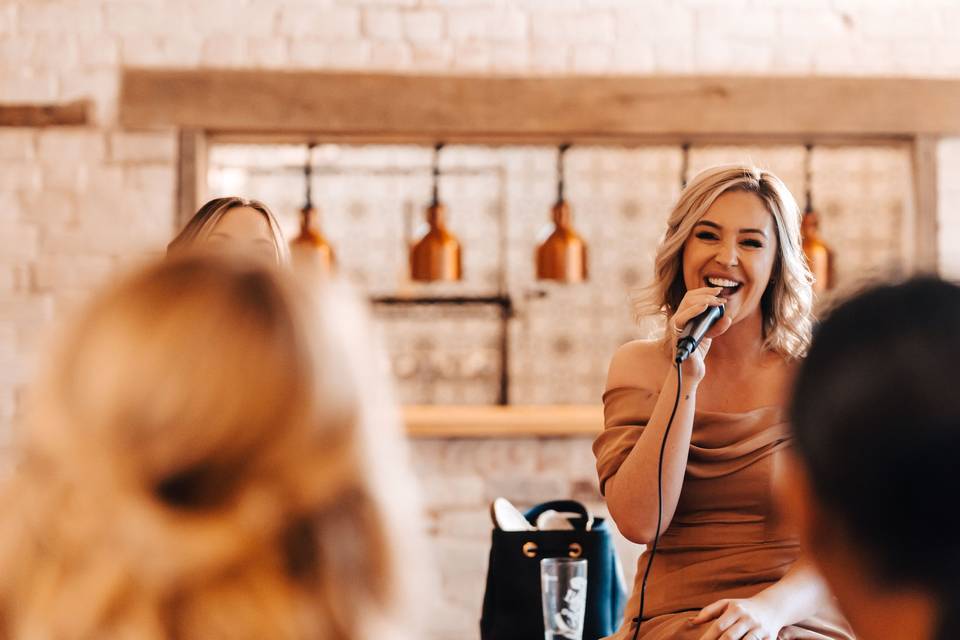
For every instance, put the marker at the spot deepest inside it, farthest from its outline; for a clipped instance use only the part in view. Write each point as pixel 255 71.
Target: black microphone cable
pixel 656 537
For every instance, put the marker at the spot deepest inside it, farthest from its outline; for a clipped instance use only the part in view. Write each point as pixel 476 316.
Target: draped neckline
pixel 730 414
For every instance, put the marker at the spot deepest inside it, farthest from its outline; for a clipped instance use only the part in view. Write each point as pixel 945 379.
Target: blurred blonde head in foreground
pixel 207 459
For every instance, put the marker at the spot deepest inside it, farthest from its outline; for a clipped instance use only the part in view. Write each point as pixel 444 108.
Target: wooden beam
pixel 580 139
pixel 924 252
pixel 522 109
pixel 191 174
pixel 45 115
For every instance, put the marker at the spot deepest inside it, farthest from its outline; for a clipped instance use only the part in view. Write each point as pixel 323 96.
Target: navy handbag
pixel 512 607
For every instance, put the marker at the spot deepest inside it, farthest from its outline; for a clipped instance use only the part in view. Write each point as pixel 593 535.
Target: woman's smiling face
pixel 734 246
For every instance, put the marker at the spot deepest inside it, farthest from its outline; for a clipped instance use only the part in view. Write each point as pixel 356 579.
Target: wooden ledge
pixel 438 421
pixel 45 115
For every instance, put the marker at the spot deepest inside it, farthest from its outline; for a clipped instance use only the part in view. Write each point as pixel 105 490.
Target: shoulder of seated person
pixel 638 363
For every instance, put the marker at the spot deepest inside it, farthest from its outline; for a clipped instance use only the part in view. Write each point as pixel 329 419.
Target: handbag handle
pixel 531 549
pixel 565 506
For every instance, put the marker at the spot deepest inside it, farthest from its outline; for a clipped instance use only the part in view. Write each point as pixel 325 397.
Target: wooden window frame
pixel 206 106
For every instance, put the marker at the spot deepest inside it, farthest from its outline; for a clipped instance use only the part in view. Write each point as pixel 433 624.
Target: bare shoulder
pixel 778 373
pixel 638 363
pixel 788 376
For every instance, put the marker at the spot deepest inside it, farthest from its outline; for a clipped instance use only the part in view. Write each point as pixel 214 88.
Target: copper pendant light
pixel 436 256
pixel 562 256
pixel 310 250
pixel 818 254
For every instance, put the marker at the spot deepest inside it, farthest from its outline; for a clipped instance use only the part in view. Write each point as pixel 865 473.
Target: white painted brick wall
pixel 948 160
pixel 308 54
pixel 25 310
pixel 317 22
pixel 62 16
pixel 550 58
pixel 128 146
pixel 71 272
pixel 96 51
pixel 391 56
pixel 511 58
pixel 879 21
pixel 18 85
pixel 53 51
pixel 8 284
pixel 8 18
pixel 65 144
pixel 256 19
pixel 15 50
pixel 592 58
pixel 267 53
pixel 17 144
pixel 468 24
pixel 146 50
pixel 577 27
pixel 80 203
pixel 426 25
pixel 124 18
pixel 500 24
pixel 814 24
pixel 18 243
pixel 50 208
pixel 735 25
pixel 439 56
pixel 225 50
pixel 348 54
pixel 654 22
pixel 19 176
pixel 382 24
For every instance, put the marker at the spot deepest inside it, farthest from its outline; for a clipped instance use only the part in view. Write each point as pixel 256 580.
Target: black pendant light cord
pixel 684 164
pixel 435 200
pixel 307 176
pixel 808 178
pixel 561 152
pixel 656 538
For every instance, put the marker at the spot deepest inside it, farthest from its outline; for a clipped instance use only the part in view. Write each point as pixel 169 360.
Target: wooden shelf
pixel 75 113
pixel 459 421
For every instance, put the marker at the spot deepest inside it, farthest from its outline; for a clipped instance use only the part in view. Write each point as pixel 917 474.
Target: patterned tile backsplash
pixel 560 338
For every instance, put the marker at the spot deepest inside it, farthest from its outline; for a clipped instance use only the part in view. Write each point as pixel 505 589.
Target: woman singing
pixel 725 568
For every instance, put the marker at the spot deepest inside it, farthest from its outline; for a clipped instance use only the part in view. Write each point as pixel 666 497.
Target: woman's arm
pixel 798 595
pixel 632 491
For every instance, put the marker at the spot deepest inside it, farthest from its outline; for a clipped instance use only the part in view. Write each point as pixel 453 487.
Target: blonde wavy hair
pixel 786 304
pixel 207 458
pixel 207 216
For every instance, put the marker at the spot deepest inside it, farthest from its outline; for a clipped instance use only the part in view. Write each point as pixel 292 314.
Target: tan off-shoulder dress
pixel 724 541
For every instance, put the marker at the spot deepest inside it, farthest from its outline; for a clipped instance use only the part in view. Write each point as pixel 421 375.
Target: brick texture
pixel 79 203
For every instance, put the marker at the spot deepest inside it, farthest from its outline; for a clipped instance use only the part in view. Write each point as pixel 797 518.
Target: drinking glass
pixel 564 590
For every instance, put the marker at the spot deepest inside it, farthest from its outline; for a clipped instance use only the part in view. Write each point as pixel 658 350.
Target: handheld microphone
pixel 694 331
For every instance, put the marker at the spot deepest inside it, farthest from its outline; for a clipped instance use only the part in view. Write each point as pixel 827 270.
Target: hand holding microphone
pixel 694 332
pixel 699 312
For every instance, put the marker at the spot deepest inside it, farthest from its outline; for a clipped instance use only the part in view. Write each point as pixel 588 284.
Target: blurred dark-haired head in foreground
pixel 876 417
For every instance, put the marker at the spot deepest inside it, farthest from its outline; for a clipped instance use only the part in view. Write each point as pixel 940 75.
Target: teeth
pixel 722 282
